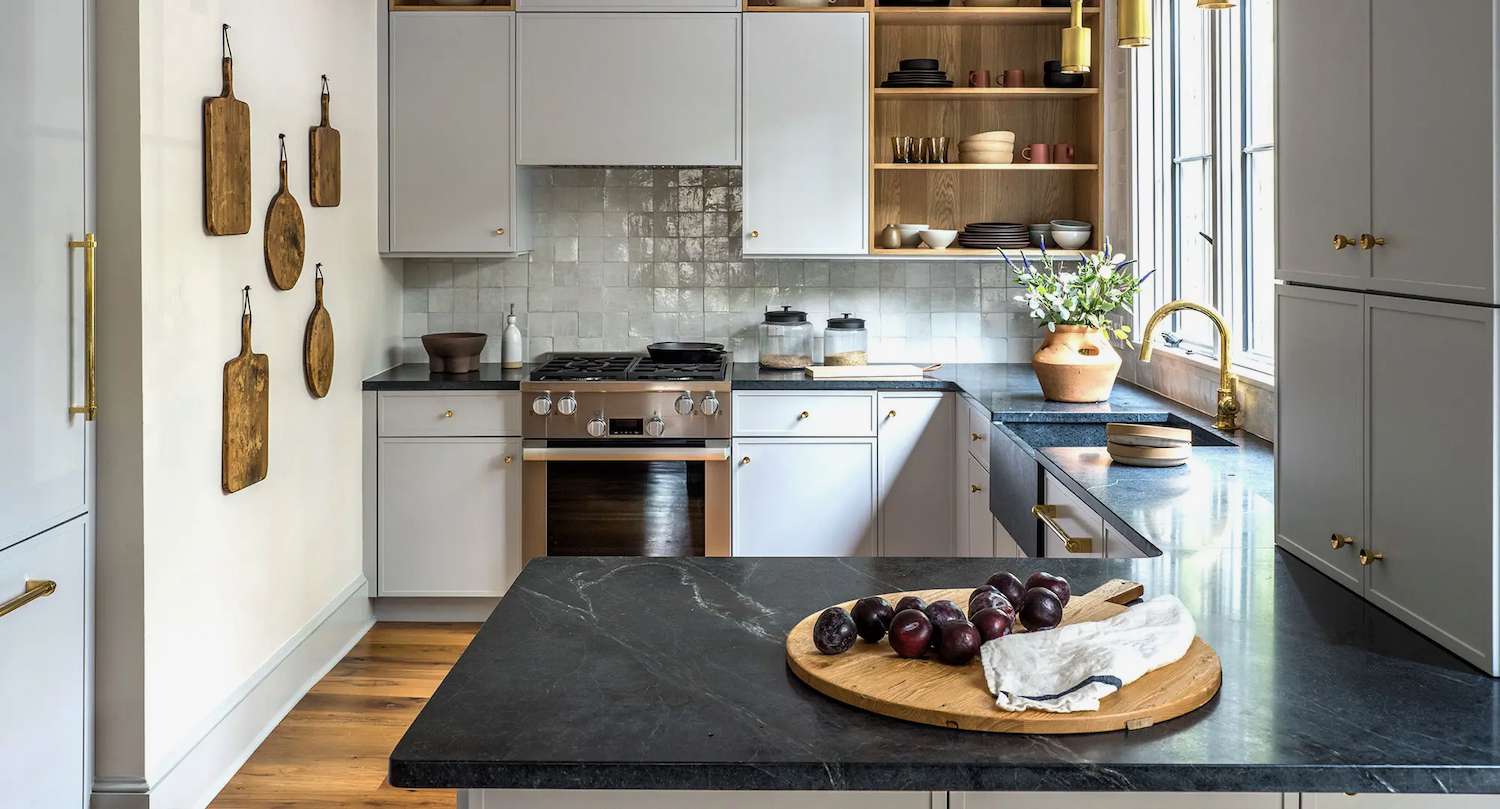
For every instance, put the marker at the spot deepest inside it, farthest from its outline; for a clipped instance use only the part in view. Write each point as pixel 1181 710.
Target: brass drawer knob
pixel 1368 242
pixel 803 416
pixel 499 231
pixel 509 458
pixel 975 437
pixel 755 234
pixel 745 461
pixel 1340 241
pixel 975 488
pixel 447 414
pixel 1339 541
pixel 1368 558
pixel 891 414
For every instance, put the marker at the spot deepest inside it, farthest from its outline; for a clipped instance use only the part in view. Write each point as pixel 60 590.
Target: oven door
pixel 626 498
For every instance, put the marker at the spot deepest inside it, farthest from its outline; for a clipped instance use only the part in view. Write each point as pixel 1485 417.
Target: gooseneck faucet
pixel 1229 403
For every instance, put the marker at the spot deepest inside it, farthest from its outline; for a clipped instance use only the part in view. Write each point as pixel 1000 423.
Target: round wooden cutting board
pixel 317 343
pixel 285 238
pixel 872 677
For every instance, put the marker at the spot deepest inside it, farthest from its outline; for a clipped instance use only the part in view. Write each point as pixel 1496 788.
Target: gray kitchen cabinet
pixel 806 131
pixel 804 497
pixel 916 473
pixel 1015 486
pixel 1320 429
pixel 976 534
pixel 1432 486
pixel 1322 141
pixel 1311 800
pixel 1116 800
pixel 1080 530
pixel 627 5
pixel 628 89
pixel 43 669
pixel 450 183
pixel 1388 146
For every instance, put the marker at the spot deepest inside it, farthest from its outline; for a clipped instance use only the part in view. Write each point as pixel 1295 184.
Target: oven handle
pixel 555 454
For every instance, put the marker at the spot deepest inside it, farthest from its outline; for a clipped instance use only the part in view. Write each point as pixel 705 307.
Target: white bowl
pixel 938 239
pixel 910 234
pixel 1070 239
pixel 1071 224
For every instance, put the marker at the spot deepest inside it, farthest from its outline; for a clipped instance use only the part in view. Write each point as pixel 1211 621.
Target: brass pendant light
pixel 1076 44
pixel 1135 24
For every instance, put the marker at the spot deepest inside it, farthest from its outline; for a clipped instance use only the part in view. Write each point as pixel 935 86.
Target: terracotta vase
pixel 1076 364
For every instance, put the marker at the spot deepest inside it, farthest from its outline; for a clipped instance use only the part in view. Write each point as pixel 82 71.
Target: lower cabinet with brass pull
pixel 1070 527
pixel 44 632
pixel 803 497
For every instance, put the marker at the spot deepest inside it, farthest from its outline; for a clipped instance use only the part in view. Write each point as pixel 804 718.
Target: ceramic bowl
pixel 997 158
pixel 1070 239
pixel 910 234
pixel 938 239
pixel 1003 135
pixel 1071 224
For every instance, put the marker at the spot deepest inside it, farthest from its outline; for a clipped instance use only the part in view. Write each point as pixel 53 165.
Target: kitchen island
pixel 669 674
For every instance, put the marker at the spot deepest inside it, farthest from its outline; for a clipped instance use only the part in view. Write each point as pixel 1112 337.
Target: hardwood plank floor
pixel 331 749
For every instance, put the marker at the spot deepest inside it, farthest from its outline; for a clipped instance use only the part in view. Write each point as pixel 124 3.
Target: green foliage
pixel 1086 294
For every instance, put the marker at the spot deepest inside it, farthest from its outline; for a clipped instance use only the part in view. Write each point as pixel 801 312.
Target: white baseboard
pixel 195 773
pixel 472 610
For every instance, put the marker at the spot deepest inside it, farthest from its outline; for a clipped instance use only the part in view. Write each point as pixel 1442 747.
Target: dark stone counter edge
pixel 958 777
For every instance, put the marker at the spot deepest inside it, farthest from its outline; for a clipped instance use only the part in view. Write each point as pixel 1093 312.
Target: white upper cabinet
pixel 806 131
pixel 1433 145
pixel 1322 140
pixel 450 179
pixel 611 89
pixel 43 478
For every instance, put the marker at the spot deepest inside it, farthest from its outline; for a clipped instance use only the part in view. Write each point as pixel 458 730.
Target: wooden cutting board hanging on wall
pixel 317 342
pixel 285 239
pixel 325 178
pixel 226 157
pixel 247 397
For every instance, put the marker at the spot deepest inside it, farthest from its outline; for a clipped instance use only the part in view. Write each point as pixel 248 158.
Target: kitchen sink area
pixel 1044 434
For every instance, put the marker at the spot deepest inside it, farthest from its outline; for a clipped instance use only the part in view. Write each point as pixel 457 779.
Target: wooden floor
pixel 331 749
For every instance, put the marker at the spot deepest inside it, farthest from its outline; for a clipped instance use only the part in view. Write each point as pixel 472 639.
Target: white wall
pixel 226 580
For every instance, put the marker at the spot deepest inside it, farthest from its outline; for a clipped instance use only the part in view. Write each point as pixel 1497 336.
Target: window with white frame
pixel 1205 180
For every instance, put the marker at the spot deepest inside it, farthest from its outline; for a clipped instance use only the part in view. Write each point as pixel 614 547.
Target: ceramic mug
pixel 979 78
pixel 1036 153
pixel 1062 153
pixel 1015 77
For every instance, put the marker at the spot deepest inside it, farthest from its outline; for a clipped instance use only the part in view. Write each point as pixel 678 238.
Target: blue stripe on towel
pixel 1097 678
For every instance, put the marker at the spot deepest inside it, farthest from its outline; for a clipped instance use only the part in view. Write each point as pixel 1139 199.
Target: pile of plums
pixel 917 628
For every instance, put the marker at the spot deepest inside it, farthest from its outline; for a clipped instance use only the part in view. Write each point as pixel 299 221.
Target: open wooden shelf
pixel 1030 252
pixel 842 5
pixel 961 15
pixel 986 167
pixel 985 93
pixel 395 6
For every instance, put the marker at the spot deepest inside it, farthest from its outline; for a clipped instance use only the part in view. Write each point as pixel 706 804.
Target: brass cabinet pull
pixel 34 590
pixel 509 458
pixel 90 406
pixel 1048 515
pixel 1340 241
pixel 499 231
pixel 745 461
pixel 975 437
pixel 755 234
pixel 1368 242
pixel 975 488
pixel 803 416
pixel 447 414
pixel 1339 541
pixel 891 414
pixel 1368 558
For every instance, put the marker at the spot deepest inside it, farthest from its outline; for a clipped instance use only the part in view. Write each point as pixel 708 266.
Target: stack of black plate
pixel 1006 235
pixel 917 73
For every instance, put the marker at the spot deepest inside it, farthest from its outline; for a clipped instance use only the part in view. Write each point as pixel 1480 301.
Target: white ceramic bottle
pixel 510 342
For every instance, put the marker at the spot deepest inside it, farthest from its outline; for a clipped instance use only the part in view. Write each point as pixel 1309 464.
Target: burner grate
pixel 624 367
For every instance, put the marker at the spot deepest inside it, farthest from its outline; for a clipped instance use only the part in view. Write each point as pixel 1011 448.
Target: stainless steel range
pixel 626 456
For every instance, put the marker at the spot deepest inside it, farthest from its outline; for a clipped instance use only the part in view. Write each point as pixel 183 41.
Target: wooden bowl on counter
pixel 454 352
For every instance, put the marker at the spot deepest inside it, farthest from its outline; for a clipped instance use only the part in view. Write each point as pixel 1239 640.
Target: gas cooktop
pixel 626 367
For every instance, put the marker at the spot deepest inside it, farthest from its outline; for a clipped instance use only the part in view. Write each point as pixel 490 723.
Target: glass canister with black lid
pixel 845 341
pixel 786 340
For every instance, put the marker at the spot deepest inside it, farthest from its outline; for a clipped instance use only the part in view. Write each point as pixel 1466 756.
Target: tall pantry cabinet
pixel 1386 317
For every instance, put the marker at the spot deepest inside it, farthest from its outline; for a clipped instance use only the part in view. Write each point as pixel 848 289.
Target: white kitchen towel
pixel 1074 666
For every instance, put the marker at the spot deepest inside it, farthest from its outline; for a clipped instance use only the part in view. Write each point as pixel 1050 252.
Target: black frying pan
pixel 685 352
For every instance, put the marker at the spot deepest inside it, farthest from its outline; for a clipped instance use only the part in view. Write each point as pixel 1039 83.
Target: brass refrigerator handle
pixel 34 590
pixel 1048 515
pixel 90 406
pixel 555 454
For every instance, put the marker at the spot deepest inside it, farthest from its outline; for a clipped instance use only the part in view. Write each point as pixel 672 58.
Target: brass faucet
pixel 1229 403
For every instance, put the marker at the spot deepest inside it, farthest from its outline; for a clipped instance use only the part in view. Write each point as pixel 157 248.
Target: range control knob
pixel 567 405
pixel 684 404
pixel 655 426
pixel 710 405
pixel 542 405
pixel 597 427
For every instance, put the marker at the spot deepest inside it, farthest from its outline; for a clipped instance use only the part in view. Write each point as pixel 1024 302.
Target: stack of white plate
pixel 1148 444
pixel 997 147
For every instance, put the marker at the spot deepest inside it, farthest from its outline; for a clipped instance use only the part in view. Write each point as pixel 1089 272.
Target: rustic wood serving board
pixel 317 343
pixel 247 382
pixel 285 238
pixel 872 677
pixel 226 160
pixel 325 177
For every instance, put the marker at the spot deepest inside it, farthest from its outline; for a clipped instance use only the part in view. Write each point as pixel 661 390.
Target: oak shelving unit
pixel 950 195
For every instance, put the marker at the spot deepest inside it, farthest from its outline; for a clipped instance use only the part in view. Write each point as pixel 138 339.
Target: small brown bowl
pixel 454 352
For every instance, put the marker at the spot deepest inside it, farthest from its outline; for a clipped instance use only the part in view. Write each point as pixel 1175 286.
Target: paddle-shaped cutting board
pixel 226 158
pixel 317 342
pixel 325 182
pixel 247 383
pixel 872 677
pixel 285 239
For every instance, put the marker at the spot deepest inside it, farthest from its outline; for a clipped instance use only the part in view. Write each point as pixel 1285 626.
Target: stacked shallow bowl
pixel 996 147
pixel 991 235
pixel 1148 444
pixel 1070 234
